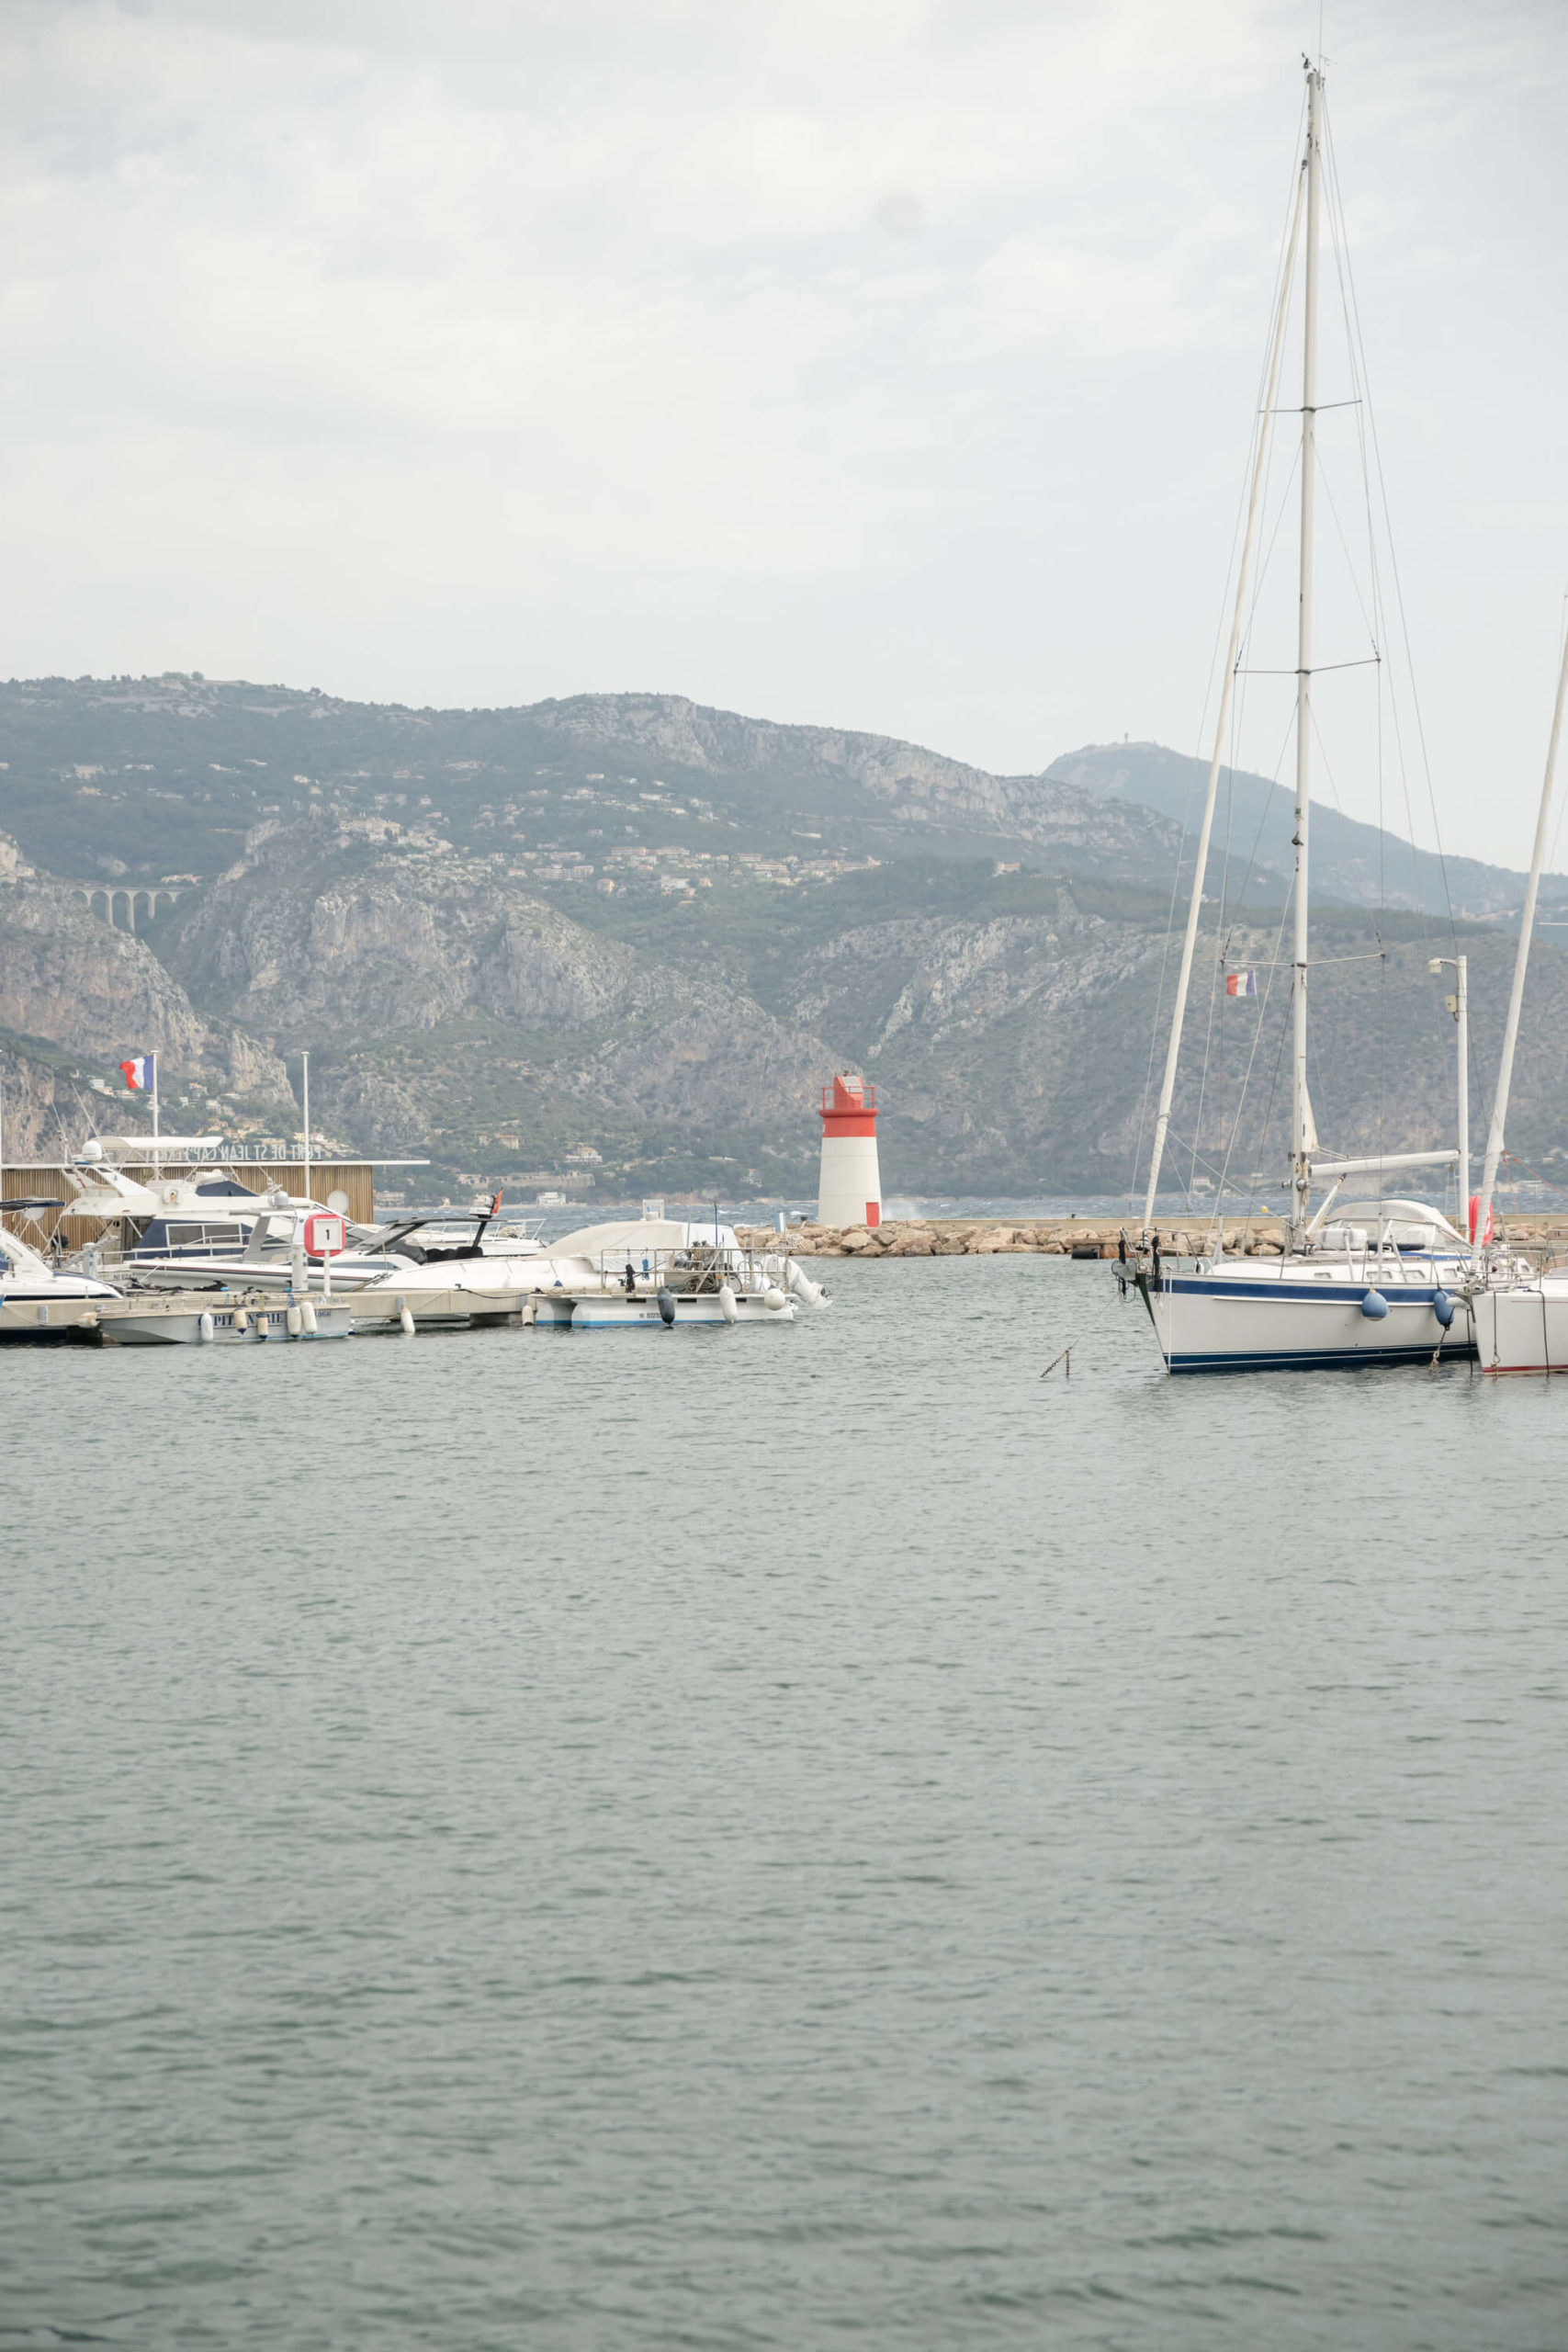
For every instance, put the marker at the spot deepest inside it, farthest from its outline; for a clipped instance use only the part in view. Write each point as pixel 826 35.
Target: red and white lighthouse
pixel 849 1189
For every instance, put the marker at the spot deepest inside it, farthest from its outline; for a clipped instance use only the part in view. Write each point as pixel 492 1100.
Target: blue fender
pixel 1443 1307
pixel 1375 1306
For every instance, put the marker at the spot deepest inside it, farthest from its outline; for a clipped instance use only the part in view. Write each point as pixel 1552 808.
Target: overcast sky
pixel 885 363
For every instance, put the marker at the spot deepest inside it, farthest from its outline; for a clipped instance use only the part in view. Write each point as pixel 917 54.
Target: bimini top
pixel 1411 1225
pixel 639 1233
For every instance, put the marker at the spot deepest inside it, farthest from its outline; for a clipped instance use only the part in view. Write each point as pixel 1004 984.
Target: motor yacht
pixel 32 1286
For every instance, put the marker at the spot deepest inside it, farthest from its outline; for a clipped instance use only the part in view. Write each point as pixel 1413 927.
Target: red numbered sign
pixel 324 1235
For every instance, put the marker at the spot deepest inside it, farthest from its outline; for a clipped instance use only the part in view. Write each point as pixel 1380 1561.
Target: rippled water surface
pixel 783 1837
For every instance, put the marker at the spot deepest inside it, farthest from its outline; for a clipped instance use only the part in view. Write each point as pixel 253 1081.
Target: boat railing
pixel 688 1267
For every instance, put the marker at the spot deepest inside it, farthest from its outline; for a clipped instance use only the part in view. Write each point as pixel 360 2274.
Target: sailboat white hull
pixel 1524 1329
pixel 1302 1316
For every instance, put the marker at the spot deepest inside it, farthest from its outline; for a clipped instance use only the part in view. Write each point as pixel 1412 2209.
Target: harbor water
pixel 783 1839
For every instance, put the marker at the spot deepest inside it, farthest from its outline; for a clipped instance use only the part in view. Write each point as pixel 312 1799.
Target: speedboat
pixel 450 1230
pixel 33 1290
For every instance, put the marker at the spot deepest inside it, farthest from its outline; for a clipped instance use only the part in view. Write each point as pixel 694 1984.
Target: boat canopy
pixel 146 1147
pixel 633 1234
pixel 1395 1216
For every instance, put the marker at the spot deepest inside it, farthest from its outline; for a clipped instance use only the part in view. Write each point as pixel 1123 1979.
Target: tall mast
pixel 1302 1139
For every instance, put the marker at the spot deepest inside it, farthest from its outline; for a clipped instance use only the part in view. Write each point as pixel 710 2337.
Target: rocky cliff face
pixel 47 1112
pixel 422 971
pixel 68 977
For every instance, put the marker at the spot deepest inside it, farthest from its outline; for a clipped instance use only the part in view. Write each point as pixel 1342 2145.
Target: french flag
pixel 1241 984
pixel 140 1073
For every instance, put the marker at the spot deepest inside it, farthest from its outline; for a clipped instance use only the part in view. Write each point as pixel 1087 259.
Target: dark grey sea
pixel 783 1839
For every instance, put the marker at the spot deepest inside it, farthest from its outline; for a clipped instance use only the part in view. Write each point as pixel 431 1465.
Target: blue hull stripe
pixel 1316 1293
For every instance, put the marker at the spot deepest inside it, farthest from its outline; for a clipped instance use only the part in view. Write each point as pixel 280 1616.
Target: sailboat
pixel 1380 1284
pixel 1519 1311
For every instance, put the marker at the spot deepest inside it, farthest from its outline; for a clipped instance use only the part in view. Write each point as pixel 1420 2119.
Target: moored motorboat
pixel 636 1274
pixel 39 1301
pixel 231 1321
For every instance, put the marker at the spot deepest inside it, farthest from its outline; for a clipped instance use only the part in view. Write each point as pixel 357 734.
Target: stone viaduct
pixel 128 906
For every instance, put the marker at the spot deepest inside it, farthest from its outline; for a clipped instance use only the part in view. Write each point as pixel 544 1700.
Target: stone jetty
pixel 1067 1237
pixel 983 1238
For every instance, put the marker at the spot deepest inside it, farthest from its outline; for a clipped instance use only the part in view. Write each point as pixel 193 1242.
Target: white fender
pixel 727 1305
pixel 204 1327
pixel 292 1323
pixel 308 1318
pixel 774 1298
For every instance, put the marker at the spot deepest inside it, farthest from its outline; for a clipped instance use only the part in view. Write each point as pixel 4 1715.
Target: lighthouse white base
pixel 849 1181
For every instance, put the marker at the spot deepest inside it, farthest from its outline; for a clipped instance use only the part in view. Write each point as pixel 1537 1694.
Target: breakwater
pixel 1073 1236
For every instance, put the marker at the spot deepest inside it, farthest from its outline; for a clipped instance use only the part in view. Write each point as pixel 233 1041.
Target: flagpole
pixel 154 1059
pixel 305 1088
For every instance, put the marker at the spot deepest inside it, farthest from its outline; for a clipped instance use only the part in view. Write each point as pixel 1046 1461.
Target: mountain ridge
pixel 1353 863
pixel 644 929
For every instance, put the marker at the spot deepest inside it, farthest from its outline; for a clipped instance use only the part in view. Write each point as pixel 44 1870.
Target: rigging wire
pixel 1280 293
pixel 1282 277
pixel 1343 263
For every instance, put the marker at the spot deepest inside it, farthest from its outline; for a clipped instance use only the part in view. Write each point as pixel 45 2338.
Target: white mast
pixel 305 1089
pixel 1461 1015
pixel 1303 1138
pixel 1516 994
pixel 1179 1011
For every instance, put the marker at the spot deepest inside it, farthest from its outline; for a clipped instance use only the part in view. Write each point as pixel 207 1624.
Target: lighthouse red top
pixel 849 1108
